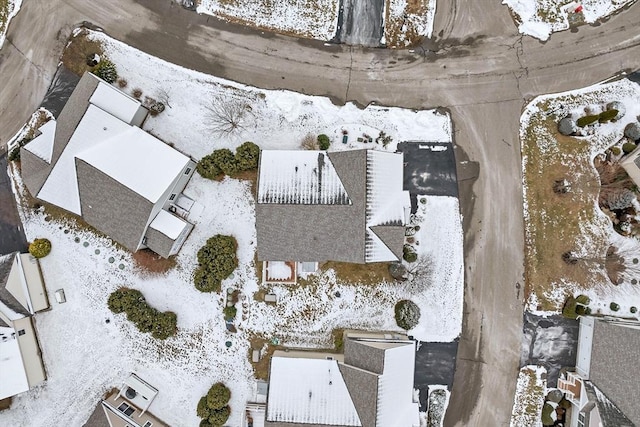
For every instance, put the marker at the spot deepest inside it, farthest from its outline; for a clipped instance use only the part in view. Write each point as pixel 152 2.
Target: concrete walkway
pixel 477 66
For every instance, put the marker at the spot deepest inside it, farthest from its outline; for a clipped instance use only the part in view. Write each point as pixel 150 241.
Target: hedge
pixel 147 319
pixel 607 116
pixel 40 248
pixel 216 261
pixel 224 161
pixel 587 120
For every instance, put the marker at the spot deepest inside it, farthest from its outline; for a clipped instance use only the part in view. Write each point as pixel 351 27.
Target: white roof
pixel 145 392
pixel 585 343
pixel 115 102
pixel 309 391
pixel 13 376
pixel 168 224
pixel 299 177
pixel 386 200
pixel 138 161
pixel 395 388
pixel 61 187
pixel 42 145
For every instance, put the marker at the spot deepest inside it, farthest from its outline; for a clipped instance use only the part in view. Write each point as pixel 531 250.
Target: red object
pixel 578 9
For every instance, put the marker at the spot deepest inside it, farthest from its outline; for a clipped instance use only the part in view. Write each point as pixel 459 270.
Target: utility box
pixel 60 297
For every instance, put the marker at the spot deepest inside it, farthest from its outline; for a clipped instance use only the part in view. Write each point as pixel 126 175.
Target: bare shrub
pixel 136 93
pixel 309 142
pixel 122 83
pixel 617 198
pixel 163 96
pixel 227 116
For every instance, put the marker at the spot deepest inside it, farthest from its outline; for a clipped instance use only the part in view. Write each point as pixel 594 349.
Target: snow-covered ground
pixel 530 394
pixel 12 9
pixel 85 356
pixel 316 19
pixel 540 18
pixel 598 234
pixel 406 21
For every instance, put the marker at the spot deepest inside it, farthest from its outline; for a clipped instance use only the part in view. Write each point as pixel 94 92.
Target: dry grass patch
pixel 366 274
pixel 403 26
pixel 261 368
pixel 556 222
pixel 5 404
pixel 151 262
pixel 4 15
pixel 75 54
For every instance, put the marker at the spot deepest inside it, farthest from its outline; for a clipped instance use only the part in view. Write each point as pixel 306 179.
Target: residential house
pixel 631 164
pixel 96 162
pixel 370 385
pixel 314 206
pixel 22 294
pixel 127 406
pixel 604 388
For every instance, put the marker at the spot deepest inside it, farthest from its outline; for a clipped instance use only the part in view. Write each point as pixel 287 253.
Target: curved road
pixel 477 66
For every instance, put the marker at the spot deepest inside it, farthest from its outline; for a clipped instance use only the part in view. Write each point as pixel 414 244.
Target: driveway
pixel 477 66
pixel 12 236
pixel 551 342
pixel 435 365
pixel 360 22
pixel 429 168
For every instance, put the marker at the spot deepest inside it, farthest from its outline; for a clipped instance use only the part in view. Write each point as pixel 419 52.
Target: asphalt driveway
pixel 429 168
pixel 435 365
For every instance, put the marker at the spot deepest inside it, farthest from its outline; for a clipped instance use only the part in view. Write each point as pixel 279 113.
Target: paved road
pixel 477 66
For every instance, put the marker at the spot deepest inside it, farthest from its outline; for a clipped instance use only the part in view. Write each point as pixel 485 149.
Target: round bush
pixel 614 306
pixel 616 151
pixel 632 131
pixel 226 161
pixel 207 167
pixel 247 156
pixel 628 147
pixel 633 310
pixel 407 314
pixel 218 396
pixel 409 254
pixel 106 70
pixel 583 299
pixel 567 126
pixel 324 142
pixel 40 248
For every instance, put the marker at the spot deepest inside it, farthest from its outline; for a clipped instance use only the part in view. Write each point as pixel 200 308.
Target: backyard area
pixel 540 18
pixel 83 336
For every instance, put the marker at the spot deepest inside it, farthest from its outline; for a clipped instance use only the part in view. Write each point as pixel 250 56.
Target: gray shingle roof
pixel 614 367
pixel 35 171
pixel 610 414
pixel 6 263
pixel 111 207
pixel 290 230
pixel 363 356
pixel 363 389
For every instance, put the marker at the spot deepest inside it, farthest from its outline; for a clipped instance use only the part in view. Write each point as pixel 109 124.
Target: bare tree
pixel 163 96
pixel 227 116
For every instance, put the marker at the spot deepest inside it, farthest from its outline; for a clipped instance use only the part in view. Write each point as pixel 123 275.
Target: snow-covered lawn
pixel 85 355
pixel 540 18
pixel 316 19
pixel 407 21
pixel 8 9
pixel 530 394
pixel 555 223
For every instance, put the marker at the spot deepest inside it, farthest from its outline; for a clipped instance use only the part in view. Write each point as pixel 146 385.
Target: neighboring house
pixel 370 385
pixel 22 294
pixel 127 407
pixel 604 389
pixel 313 206
pixel 96 162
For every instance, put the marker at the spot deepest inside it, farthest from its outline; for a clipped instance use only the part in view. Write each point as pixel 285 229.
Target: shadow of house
pixel 95 161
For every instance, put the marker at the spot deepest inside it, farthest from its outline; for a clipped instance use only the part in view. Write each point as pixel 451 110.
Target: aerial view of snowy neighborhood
pixel 319 213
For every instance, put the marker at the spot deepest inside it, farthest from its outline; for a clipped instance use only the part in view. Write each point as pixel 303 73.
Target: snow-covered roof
pixel 115 102
pixel 13 375
pixel 42 145
pixel 168 224
pixel 138 161
pixel 310 391
pixel 299 177
pixel 395 388
pixel 61 187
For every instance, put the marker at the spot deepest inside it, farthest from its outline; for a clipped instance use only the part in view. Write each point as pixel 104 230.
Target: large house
pixel 314 206
pixel 96 162
pixel 604 388
pixel 22 294
pixel 370 385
